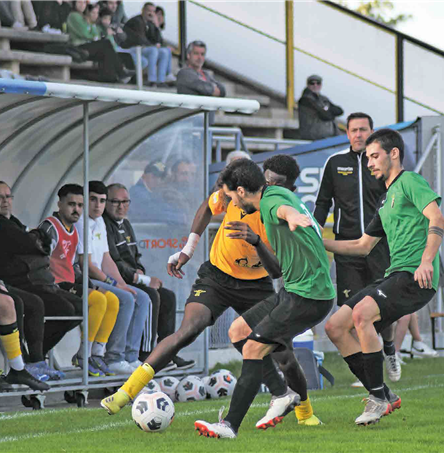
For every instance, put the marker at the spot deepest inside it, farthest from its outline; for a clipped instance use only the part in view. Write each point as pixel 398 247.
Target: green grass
pixel 417 427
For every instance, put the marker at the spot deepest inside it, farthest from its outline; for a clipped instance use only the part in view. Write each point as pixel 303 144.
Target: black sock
pixel 239 345
pixel 389 348
pixel 246 389
pixel 271 377
pixel 374 372
pixel 356 364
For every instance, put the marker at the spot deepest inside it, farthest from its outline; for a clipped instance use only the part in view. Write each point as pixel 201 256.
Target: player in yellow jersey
pixel 238 276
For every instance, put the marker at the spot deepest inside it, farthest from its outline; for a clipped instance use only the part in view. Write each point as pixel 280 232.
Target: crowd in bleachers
pixel 41 276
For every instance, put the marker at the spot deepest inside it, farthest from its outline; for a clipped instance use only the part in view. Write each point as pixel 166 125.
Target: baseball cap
pixel 158 168
pixel 314 78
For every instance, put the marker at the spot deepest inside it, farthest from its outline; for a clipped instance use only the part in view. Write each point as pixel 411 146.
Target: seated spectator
pixel 83 33
pixel 118 19
pixel 123 346
pixel 9 337
pixel 193 79
pixel 103 306
pixel 23 13
pixel 161 23
pixel 419 348
pixel 148 204
pixel 143 30
pixel 52 16
pixel 24 264
pixel 316 112
pixel 123 249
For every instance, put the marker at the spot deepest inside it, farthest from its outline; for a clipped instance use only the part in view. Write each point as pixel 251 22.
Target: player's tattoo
pixel 436 230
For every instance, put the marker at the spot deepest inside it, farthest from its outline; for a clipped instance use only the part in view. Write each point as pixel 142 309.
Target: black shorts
pixel 219 291
pixel 279 318
pixel 354 273
pixel 396 295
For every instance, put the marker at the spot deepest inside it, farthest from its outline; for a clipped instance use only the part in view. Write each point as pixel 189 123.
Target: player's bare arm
pixel 241 230
pixel 293 217
pixel 201 220
pixel 424 274
pixel 357 247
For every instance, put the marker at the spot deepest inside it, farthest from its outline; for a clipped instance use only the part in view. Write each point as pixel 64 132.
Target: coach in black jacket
pixel 348 183
pixel 123 250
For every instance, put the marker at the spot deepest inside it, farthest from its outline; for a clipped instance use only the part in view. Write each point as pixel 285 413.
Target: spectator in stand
pixel 24 264
pixel 84 33
pixel 193 79
pixel 143 30
pixel 6 17
pixel 419 348
pixel 161 23
pixel 316 112
pixel 103 306
pixel 23 13
pixel 122 351
pixel 118 19
pixel 123 250
pixel 9 337
pixel 148 204
pixel 52 16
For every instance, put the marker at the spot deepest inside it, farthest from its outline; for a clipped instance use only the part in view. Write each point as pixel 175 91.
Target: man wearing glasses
pixel 316 112
pixel 123 250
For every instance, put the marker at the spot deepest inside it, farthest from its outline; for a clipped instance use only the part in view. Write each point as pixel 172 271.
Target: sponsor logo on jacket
pixel 345 170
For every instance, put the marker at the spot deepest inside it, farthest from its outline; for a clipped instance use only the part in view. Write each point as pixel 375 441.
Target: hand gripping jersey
pixel 64 252
pixel 236 257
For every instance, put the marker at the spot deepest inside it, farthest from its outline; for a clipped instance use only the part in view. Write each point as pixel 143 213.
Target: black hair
pixel 67 189
pixel 245 173
pixel 98 187
pixel 105 12
pixel 91 6
pixel 147 4
pixel 388 139
pixel 359 115
pixel 180 161
pixel 283 165
pixel 159 9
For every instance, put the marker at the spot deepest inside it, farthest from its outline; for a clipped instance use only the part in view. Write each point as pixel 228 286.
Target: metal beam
pixel 399 79
pixel 182 32
pixel 289 33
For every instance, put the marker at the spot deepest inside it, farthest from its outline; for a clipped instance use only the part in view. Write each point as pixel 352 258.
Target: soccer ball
pixel 153 412
pixel 191 388
pixel 168 385
pixel 205 381
pixel 221 383
pixel 152 387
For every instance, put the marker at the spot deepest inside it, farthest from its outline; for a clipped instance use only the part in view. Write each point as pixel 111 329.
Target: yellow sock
pixel 96 312
pixel 109 320
pixel 11 343
pixel 137 381
pixel 304 411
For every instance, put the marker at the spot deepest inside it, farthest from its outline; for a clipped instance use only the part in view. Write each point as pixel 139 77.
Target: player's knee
pixel 187 334
pixel 238 330
pixel 333 329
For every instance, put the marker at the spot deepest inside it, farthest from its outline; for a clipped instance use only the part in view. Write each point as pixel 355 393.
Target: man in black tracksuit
pixel 348 183
pixel 124 252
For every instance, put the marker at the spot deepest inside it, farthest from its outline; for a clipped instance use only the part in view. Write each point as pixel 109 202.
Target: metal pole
pixel 439 170
pixel 85 237
pixel 207 161
pixel 182 32
pixel 289 22
pixel 399 79
pixel 139 75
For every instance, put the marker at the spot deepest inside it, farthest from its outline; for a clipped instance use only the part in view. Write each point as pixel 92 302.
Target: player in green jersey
pixel 409 216
pixel 305 300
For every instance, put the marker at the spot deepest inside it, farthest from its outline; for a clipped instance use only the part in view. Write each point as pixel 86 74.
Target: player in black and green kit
pixel 305 300
pixel 409 216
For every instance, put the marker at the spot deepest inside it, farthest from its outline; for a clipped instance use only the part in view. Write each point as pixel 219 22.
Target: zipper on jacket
pixel 339 221
pixel 361 196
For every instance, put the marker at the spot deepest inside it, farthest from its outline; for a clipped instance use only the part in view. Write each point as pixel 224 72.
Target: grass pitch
pixel 417 427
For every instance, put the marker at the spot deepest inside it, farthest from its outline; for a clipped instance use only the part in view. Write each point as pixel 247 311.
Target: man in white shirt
pixel 135 305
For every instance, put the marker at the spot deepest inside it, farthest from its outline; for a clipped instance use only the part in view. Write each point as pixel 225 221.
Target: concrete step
pixel 35 58
pixel 255 122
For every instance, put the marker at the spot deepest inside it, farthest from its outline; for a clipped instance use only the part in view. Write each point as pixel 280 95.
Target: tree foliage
pixel 379 10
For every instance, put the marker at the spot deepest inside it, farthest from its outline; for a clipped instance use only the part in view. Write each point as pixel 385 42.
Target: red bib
pixel 63 256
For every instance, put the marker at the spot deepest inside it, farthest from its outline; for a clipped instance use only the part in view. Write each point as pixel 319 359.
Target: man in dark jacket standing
pixel 355 191
pixel 316 112
pixel 124 252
